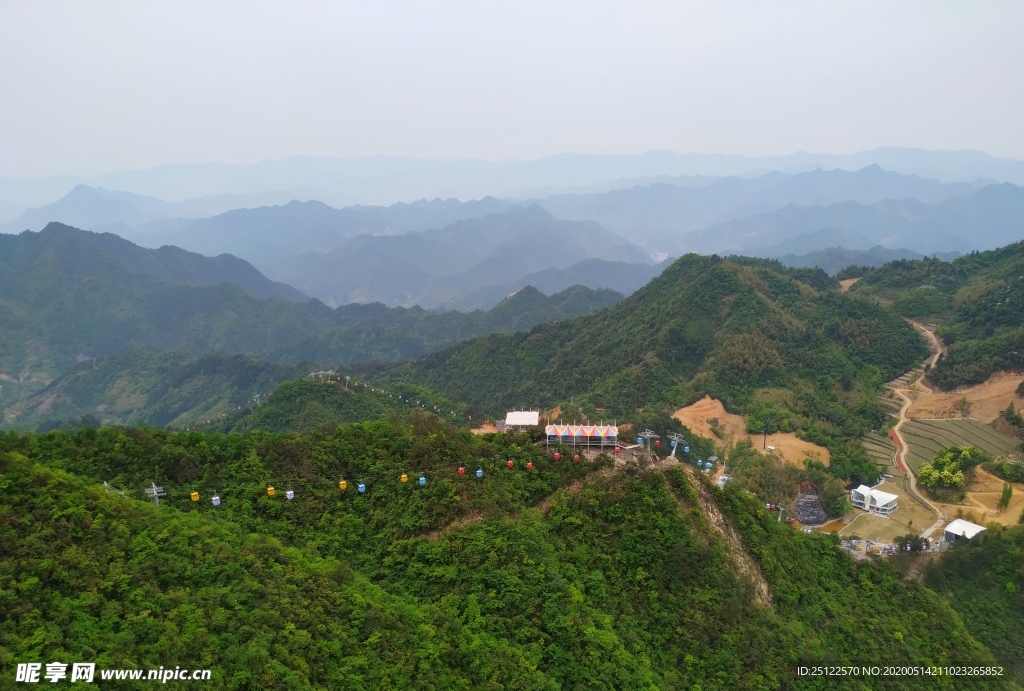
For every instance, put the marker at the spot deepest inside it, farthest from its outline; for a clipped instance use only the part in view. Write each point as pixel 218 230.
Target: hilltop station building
pixel 874 500
pixel 521 419
pixel 588 436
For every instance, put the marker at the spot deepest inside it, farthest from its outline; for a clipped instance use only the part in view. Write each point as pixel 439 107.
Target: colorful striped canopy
pixel 582 431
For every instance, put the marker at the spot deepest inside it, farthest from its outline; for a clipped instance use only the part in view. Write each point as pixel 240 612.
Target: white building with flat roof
pixel 874 500
pixel 522 418
pixel 962 528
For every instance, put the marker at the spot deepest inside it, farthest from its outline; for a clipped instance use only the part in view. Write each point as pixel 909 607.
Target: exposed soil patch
pixel 983 496
pixel 833 527
pixel 917 564
pixel 985 400
pixel 844 285
pixel 788 447
pixel 485 428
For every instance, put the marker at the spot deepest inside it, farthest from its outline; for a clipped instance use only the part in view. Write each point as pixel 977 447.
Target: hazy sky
pixel 90 87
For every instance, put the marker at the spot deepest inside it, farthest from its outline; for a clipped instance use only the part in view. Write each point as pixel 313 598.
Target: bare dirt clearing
pixel 789 447
pixel 985 400
pixel 982 498
pixel 844 285
pixel 485 428
pixel 833 527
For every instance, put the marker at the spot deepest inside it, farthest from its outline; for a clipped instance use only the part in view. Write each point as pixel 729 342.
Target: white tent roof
pixel 880 498
pixel 525 418
pixel 883 498
pixel 962 528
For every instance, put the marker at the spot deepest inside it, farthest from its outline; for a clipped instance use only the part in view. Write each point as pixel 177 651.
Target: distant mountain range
pixel 987 218
pixel 832 260
pixel 478 252
pixel 388 179
pixel 660 216
pixel 266 235
pixel 465 255
pixel 622 277
pixel 451 265
pixel 69 296
pixel 95 208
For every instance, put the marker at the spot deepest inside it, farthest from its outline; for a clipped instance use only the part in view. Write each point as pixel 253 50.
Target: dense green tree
pixel 975 301
pixel 563 576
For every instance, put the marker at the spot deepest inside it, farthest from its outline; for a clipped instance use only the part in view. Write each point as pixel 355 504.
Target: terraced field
pixel 890 402
pixel 879 449
pixel 926 438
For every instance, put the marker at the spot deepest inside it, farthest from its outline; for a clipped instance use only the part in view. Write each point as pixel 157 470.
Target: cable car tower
pixel 154 492
pixel 677 441
pixel 648 435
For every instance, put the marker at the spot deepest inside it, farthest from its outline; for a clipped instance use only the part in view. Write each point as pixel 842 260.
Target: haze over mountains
pixel 661 215
pixel 988 218
pixel 464 255
pixel 389 179
pixel 449 266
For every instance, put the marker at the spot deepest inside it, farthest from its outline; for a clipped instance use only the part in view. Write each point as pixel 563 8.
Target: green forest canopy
pixel 976 301
pixel 770 342
pixel 508 581
pixel 68 295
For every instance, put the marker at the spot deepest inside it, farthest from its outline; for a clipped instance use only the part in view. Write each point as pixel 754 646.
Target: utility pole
pixel 764 428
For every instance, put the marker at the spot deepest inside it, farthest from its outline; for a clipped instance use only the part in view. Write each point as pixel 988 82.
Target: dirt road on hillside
pixel 902 387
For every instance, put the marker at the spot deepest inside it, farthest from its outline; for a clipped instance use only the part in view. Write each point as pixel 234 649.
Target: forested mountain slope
pixel 142 385
pixel 977 302
pixel 68 297
pixel 770 342
pixel 64 301
pixel 307 404
pixel 217 391
pixel 984 582
pixel 60 251
pixel 621 581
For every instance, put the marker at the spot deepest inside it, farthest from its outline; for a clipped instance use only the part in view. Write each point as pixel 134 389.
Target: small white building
pixel 962 528
pixel 874 500
pixel 522 418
